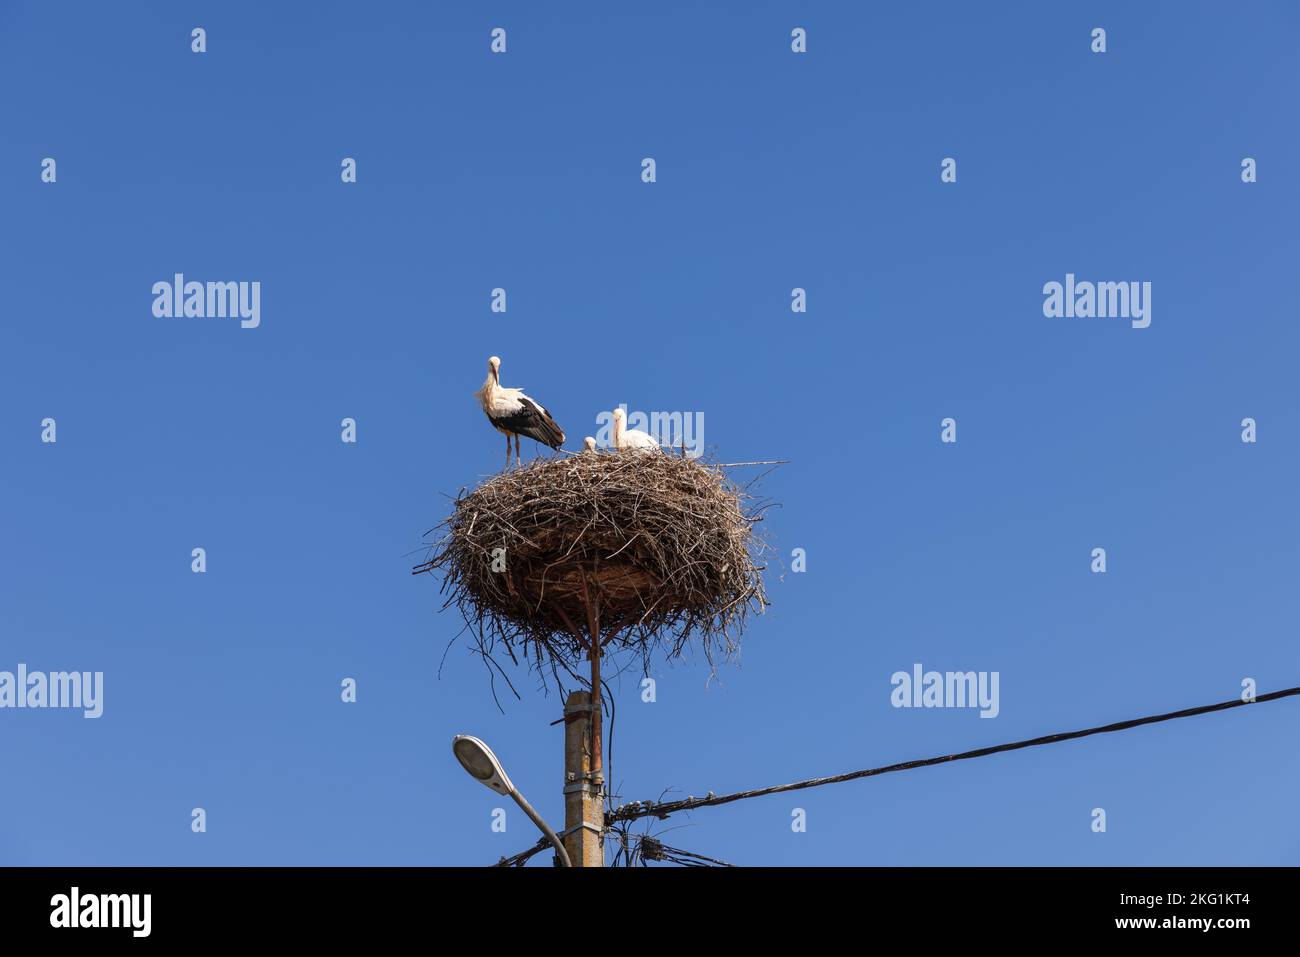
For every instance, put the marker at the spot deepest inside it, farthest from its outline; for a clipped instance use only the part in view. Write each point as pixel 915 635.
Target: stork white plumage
pixel 588 444
pixel 634 440
pixel 515 414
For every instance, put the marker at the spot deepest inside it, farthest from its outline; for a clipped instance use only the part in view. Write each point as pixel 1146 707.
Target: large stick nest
pixel 648 549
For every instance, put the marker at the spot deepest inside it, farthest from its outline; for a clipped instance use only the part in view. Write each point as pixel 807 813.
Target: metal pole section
pixel 593 655
pixel 597 718
pixel 584 804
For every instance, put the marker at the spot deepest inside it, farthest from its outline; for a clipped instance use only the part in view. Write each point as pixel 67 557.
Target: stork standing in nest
pixel 515 414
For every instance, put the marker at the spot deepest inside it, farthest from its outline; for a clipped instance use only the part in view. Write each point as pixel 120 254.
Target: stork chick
pixel 625 439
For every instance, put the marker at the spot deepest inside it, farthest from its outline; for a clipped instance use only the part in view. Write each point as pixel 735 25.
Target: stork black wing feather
pixel 533 421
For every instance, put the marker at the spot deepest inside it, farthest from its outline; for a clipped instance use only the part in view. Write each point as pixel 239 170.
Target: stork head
pixel 620 416
pixel 494 368
pixel 589 444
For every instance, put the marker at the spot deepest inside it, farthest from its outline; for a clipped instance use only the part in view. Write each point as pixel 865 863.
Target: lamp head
pixel 481 764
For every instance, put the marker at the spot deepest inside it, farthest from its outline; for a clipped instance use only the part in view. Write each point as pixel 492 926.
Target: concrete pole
pixel 584 798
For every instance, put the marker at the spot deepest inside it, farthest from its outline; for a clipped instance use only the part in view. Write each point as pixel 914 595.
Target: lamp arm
pixel 543 827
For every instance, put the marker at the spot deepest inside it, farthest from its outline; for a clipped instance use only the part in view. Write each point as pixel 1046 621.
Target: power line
pixel 631 812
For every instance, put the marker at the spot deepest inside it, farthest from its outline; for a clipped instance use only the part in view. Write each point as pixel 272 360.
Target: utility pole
pixel 584 782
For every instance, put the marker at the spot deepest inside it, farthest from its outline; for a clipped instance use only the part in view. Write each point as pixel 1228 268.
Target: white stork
pixel 589 444
pixel 515 414
pixel 625 439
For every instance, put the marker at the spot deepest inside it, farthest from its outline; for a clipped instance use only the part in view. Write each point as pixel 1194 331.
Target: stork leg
pixel 507 450
pixel 518 457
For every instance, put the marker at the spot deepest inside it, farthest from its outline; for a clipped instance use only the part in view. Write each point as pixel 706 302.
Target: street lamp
pixel 477 758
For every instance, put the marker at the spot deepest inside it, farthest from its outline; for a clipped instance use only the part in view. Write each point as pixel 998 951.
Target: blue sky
pixel 774 171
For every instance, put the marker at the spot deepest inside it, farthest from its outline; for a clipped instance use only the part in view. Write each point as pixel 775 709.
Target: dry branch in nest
pixel 646 551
